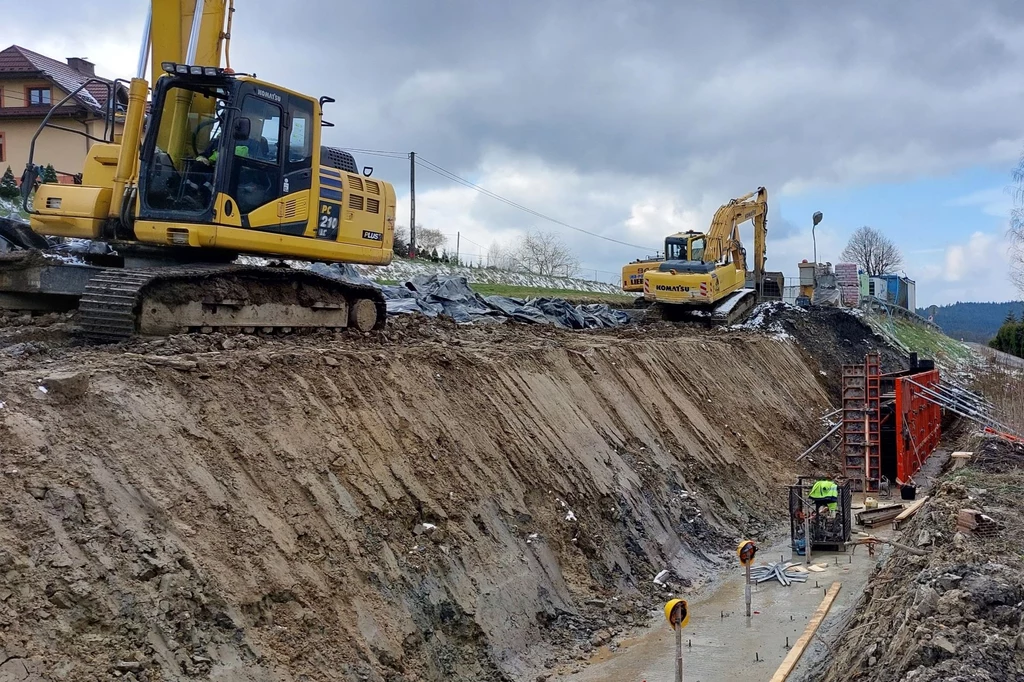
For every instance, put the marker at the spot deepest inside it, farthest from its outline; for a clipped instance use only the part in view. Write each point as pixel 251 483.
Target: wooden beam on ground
pixel 878 516
pixel 908 512
pixel 793 657
pixel 960 459
pixel 871 539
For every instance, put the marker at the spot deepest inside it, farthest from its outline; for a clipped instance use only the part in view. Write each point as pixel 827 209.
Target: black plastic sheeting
pixel 452 297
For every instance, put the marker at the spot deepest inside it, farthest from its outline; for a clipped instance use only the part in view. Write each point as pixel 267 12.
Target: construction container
pixel 895 289
pixel 806 273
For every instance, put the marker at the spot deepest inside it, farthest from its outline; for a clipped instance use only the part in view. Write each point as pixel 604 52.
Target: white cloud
pixel 977 269
pixel 994 201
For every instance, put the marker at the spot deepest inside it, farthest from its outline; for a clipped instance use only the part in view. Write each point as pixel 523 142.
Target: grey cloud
pixel 704 98
pixel 714 92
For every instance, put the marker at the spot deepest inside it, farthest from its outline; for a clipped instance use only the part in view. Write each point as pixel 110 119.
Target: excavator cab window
pixel 177 174
pixel 256 167
pixel 675 249
pixel 697 248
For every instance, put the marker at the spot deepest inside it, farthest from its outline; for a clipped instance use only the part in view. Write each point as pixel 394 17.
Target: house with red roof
pixel 85 109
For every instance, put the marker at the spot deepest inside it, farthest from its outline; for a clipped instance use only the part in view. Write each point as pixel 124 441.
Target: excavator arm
pixel 178 35
pixel 723 236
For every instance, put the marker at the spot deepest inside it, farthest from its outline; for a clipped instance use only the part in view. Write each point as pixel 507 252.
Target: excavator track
pixel 120 303
pixel 731 310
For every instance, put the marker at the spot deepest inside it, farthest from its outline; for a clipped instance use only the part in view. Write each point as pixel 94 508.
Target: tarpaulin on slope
pixel 452 296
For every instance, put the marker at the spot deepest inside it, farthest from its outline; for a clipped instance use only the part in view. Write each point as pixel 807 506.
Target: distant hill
pixel 976 322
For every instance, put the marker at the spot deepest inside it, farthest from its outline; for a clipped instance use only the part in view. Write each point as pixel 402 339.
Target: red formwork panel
pixel 918 423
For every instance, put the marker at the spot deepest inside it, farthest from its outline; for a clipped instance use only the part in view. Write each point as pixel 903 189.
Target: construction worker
pixel 825 492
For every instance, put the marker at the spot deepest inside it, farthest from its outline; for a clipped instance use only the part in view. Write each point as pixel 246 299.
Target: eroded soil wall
pixel 455 509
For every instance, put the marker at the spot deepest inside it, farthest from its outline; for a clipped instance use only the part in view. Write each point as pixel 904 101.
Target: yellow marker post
pixel 746 551
pixel 677 613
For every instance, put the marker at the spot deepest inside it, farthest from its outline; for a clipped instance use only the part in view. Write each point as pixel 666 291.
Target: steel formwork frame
pixel 918 423
pixel 860 433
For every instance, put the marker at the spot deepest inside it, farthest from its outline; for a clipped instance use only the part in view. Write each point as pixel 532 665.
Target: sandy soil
pixel 426 503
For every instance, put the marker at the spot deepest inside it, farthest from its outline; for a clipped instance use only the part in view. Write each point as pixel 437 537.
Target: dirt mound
pixel 832 337
pixel 955 614
pixel 427 503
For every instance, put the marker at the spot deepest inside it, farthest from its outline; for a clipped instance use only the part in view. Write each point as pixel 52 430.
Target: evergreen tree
pixel 400 246
pixel 1010 339
pixel 8 185
pixel 49 174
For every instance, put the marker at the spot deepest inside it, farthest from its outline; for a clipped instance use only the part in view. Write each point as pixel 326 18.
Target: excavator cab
pixel 225 150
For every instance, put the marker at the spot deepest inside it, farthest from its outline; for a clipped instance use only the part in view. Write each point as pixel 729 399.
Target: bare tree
pixel 1017 228
pixel 429 239
pixel 543 253
pixel 501 257
pixel 873 251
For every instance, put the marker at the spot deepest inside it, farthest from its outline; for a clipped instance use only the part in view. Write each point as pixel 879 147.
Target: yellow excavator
pixel 211 165
pixel 705 273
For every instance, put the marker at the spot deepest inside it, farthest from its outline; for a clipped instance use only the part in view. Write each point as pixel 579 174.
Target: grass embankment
pixel 925 341
pixel 1004 388
pixel 540 292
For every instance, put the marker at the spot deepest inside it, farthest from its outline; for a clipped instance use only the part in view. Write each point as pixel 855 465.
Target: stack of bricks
pixel 849 283
pixel 974 522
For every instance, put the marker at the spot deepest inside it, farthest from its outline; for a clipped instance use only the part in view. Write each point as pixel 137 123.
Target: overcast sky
pixel 635 119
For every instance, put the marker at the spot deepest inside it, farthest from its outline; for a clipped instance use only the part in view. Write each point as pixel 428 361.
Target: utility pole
pixel 458 260
pixel 412 204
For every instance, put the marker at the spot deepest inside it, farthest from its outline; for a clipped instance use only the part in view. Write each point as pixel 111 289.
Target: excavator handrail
pixel 109 120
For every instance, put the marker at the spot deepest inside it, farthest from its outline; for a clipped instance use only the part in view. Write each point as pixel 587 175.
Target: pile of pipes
pixel 784 573
pixel 966 403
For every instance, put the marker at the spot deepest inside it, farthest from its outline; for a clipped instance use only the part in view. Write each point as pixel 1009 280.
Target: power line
pixel 377 152
pixel 447 174
pixel 433 167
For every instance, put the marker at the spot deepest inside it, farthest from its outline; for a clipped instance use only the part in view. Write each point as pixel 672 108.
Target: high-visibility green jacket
pixel 823 489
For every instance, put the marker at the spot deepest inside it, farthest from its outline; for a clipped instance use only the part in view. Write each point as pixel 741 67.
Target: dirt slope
pixel 955 614
pixel 457 506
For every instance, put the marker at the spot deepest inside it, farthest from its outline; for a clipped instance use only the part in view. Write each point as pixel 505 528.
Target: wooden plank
pixel 960 459
pixel 908 512
pixel 793 657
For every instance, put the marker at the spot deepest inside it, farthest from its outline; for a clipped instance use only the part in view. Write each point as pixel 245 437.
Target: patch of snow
pixel 401 270
pixel 66 258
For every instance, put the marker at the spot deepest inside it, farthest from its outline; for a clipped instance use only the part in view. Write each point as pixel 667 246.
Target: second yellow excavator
pixel 706 273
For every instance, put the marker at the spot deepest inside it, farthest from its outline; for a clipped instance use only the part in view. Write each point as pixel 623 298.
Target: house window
pixel 3 148
pixel 38 96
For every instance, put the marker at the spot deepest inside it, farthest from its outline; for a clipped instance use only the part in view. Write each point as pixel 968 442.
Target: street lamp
pixel 817 219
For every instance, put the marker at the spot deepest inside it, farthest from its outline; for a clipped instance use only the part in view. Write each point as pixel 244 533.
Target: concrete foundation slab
pixel 720 643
